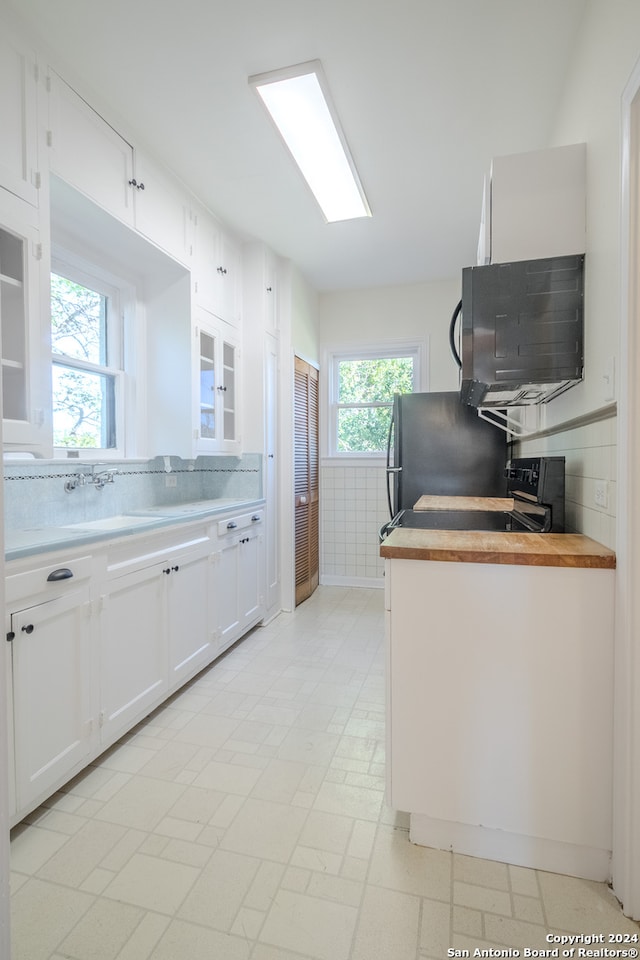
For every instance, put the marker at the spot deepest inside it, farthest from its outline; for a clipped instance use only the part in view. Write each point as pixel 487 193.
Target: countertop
pixel 428 502
pixel 29 542
pixel 471 546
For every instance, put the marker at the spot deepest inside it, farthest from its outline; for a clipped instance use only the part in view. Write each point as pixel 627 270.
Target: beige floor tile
pixel 187 941
pixel 196 805
pixel 265 829
pixel 179 829
pixel 247 923
pixel 279 781
pixel 362 839
pixel 524 881
pixel 339 889
pixel 398 864
pixel 466 920
pixel 435 928
pixel 60 821
pixel 481 898
pixel 142 943
pixel 181 851
pixel 206 731
pixel 228 778
pixel 152 883
pixel 220 890
pixel 264 952
pixel 528 908
pixel 82 853
pixel 170 761
pixel 308 746
pixel 309 858
pixel 514 933
pixel 124 849
pixel 141 803
pixel 42 915
pixel 340 798
pixel 102 932
pixel 317 928
pixel 327 831
pixel 264 885
pixel 32 847
pixel 578 905
pixel 485 873
pixel 388 926
pixel 126 757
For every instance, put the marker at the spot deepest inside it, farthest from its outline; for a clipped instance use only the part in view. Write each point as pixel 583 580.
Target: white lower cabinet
pixel 98 642
pixel 238 568
pixel 52 653
pixel 133 650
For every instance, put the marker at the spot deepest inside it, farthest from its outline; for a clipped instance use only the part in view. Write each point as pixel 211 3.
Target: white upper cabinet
pixel 18 121
pixel 217 269
pixel 162 209
pixel 534 206
pixel 215 379
pixel 88 153
pixel 24 285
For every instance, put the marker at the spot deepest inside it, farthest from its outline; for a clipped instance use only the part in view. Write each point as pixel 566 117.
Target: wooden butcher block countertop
pixel 464 503
pixel 471 546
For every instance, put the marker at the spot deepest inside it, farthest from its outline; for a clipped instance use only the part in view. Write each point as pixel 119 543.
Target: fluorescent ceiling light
pixel 298 100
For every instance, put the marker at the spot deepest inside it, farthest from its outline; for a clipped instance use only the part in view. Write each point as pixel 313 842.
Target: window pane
pixel 83 408
pixel 363 430
pixel 78 321
pixel 368 381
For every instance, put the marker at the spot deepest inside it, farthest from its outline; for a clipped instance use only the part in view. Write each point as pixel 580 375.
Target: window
pixel 86 345
pixel 362 387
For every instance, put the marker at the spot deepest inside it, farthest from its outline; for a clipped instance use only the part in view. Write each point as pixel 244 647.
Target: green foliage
pixel 365 394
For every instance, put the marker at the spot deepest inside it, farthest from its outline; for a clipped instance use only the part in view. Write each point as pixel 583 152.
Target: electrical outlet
pixel 601 496
pixel 171 480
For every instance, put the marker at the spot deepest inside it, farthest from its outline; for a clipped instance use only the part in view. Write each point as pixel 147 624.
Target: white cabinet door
pixel 88 153
pixel 216 387
pixel 25 331
pixel 53 717
pixel 238 576
pixel 191 635
pixel 272 539
pixel 162 210
pixel 217 269
pixel 18 141
pixel 133 660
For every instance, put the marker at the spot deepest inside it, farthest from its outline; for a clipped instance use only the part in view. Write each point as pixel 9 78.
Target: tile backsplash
pixel 353 504
pixel 35 495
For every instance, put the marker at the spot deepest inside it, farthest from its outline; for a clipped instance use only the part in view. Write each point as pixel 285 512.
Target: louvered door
pixel 306 484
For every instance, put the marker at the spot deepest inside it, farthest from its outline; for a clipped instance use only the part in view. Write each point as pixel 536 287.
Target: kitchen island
pixel 500 695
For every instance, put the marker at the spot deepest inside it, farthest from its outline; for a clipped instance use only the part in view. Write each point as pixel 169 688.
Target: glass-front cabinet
pixel 24 344
pixel 216 379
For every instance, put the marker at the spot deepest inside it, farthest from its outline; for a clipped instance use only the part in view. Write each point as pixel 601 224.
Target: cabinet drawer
pixel 233 524
pixel 61 575
pixel 126 558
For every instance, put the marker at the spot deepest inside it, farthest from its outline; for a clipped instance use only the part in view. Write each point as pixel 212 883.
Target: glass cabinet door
pixel 207 386
pixel 229 390
pixel 13 320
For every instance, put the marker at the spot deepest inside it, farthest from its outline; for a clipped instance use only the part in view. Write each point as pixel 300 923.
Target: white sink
pixel 194 506
pixel 120 522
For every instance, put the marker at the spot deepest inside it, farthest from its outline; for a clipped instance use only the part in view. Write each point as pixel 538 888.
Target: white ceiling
pixel 427 92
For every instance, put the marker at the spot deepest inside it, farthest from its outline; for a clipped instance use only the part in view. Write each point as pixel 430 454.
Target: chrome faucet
pixel 76 480
pixel 102 477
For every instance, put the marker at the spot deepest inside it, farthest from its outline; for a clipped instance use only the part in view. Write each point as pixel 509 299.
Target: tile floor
pixel 245 820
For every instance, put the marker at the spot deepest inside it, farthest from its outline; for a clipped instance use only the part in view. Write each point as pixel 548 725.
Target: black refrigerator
pixel 440 446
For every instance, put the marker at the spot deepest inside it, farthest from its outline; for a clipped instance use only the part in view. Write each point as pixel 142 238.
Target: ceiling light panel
pixel 298 101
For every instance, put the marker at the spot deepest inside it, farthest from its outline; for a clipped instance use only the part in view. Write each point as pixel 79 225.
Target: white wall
pixel 353 497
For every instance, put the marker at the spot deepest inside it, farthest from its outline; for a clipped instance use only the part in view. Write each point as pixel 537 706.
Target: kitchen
pixel 326 321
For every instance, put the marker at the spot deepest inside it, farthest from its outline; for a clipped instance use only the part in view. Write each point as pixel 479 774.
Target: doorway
pixel 306 480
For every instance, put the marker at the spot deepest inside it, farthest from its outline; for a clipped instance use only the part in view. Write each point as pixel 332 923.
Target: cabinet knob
pixel 10 636
pixel 27 628
pixel 175 569
pixel 231 525
pixel 222 270
pixel 166 570
pixel 255 518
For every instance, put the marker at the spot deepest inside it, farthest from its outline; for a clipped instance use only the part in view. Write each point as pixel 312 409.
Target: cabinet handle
pixel 222 270
pixel 134 183
pixel 27 628
pixel 255 518
pixel 231 525
pixel 224 389
pixel 176 568
pixel 10 636
pixel 166 570
pixel 62 573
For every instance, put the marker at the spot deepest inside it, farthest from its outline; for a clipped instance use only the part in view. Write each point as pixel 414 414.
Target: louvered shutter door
pixel 306 480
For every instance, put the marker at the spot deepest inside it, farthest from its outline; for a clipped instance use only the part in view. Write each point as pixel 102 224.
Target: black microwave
pixel 522 331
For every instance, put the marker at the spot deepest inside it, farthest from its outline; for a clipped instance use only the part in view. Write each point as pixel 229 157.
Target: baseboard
pixel 330 580
pixel 554 856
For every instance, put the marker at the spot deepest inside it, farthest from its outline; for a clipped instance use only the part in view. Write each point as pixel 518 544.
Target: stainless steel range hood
pixel 522 331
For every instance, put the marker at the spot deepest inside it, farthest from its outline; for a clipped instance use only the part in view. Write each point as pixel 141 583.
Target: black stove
pixel 536 485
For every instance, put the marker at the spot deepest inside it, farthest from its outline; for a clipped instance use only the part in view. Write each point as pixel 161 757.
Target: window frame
pixel 121 299
pixel 387 349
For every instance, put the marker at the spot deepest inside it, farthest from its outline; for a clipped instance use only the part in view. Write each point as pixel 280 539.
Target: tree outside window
pixel 83 378
pixel 364 387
